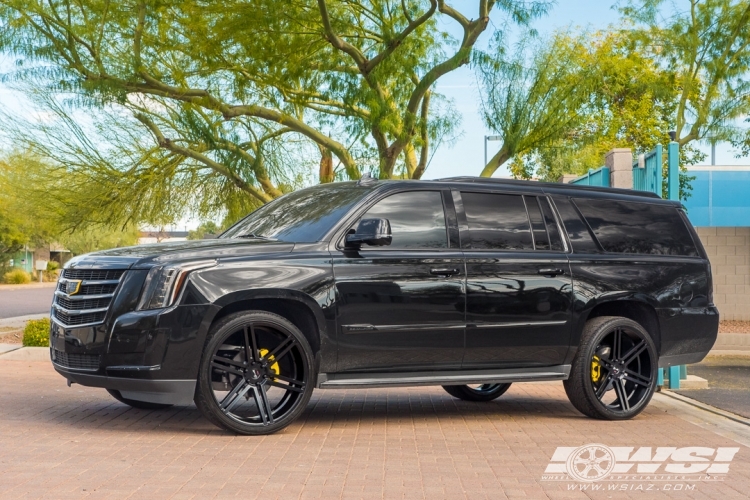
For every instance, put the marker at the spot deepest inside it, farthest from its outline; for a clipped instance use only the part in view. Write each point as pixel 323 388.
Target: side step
pixel 458 377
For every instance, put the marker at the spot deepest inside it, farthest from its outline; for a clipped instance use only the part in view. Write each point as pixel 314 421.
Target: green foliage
pixel 198 105
pixel 36 333
pixel 534 98
pixel 204 228
pixel 16 277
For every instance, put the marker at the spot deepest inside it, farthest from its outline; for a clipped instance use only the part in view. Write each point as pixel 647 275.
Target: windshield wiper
pixel 256 236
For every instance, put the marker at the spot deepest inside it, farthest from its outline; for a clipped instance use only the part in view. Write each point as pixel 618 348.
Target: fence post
pixel 658 175
pixel 619 161
pixel 673 170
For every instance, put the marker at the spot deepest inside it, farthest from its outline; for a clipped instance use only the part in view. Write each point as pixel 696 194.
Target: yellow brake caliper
pixel 275 365
pixel 596 369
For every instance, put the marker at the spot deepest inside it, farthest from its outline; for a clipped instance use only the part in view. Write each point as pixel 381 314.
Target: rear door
pixel 401 307
pixel 518 282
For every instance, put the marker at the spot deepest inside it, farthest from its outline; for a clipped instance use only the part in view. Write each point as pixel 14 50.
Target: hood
pixel 146 256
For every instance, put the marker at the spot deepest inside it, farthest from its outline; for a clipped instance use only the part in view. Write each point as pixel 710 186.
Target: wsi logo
pixel 596 462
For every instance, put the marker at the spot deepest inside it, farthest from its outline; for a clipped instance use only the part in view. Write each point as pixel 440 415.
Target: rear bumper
pixel 178 392
pixel 687 334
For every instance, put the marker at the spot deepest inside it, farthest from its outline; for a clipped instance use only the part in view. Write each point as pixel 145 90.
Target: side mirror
pixel 375 232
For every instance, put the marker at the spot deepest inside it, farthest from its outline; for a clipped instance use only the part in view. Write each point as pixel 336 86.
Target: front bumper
pixel 146 355
pixel 176 392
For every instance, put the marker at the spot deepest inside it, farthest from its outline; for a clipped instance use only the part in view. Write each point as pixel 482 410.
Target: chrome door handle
pixel 444 271
pixel 551 271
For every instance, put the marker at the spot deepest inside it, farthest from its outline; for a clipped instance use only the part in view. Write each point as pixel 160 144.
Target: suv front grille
pixel 83 296
pixel 93 274
pixel 76 361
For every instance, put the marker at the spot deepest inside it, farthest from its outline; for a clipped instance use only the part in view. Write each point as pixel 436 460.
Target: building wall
pixel 728 249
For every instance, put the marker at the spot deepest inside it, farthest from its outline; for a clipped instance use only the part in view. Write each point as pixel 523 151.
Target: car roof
pixel 574 190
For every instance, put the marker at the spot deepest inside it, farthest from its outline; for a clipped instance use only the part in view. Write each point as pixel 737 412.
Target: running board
pixel 459 377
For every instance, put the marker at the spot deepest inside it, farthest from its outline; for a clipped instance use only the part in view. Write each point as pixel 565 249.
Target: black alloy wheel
pixel 613 376
pixel 479 392
pixel 141 405
pixel 255 375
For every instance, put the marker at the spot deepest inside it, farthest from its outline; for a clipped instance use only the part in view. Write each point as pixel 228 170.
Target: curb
pixel 20 321
pixel 26 354
pixel 703 406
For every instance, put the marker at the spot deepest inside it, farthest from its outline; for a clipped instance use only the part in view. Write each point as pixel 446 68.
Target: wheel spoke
pixel 254 340
pixel 617 344
pixel 286 387
pixel 280 350
pixel 225 368
pixel 638 378
pixel 238 393
pixel 633 353
pixel 606 385
pixel 622 395
pixel 264 408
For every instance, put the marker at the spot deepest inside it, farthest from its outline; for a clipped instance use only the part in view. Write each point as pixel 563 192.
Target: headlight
pixel 164 283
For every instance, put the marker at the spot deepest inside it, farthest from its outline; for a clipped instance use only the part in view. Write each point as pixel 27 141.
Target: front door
pixel 518 282
pixel 401 307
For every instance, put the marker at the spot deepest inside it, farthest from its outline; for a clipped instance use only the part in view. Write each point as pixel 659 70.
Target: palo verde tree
pixel 219 84
pixel 706 46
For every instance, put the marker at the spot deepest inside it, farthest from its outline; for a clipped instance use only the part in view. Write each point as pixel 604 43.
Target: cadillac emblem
pixel 72 286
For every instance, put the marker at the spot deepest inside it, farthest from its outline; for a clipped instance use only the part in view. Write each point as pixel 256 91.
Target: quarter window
pixel 639 228
pixel 417 219
pixel 497 222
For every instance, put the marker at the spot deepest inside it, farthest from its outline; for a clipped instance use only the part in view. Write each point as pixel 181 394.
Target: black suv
pixel 467 283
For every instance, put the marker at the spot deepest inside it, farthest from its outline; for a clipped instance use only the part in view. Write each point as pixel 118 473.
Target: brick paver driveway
pixel 60 442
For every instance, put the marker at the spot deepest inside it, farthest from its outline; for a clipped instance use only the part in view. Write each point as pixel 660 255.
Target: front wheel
pixel 256 375
pixel 613 376
pixel 483 392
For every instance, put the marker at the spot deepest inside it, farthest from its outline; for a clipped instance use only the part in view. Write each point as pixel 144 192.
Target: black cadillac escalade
pixel 467 283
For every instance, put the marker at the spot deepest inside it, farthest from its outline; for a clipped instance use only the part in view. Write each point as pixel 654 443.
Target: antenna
pixel 366 179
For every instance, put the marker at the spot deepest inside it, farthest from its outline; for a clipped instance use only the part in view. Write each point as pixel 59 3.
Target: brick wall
pixel 728 250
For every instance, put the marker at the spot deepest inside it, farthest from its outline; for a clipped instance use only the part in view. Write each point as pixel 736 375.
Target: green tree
pixel 707 49
pixel 221 86
pixel 204 228
pixel 536 97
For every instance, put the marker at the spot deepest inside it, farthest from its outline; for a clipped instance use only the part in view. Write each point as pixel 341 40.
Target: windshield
pixel 303 216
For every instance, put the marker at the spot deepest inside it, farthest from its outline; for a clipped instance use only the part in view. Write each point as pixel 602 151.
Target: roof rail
pixel 555 185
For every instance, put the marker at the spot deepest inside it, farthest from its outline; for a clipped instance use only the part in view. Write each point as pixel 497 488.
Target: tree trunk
pixel 495 162
pixel 325 174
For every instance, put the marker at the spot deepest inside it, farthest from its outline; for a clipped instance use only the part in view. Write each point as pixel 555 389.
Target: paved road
pixel 77 442
pixel 728 381
pixel 25 301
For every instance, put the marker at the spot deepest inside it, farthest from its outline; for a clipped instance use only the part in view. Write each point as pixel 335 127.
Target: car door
pixel 518 282
pixel 401 307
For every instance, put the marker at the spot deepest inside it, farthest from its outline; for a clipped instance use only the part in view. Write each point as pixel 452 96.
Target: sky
pixel 466 155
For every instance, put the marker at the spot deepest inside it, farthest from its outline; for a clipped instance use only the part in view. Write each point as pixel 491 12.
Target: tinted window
pixel 497 222
pixel 578 234
pixel 538 229
pixel 417 219
pixel 641 228
pixel 302 216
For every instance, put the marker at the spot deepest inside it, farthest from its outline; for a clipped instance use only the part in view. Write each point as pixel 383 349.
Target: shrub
pixel 36 333
pixel 17 277
pixel 51 274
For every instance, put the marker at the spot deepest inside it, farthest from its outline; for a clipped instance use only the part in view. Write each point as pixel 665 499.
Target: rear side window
pixel 639 228
pixel 578 233
pixel 496 222
pixel 417 219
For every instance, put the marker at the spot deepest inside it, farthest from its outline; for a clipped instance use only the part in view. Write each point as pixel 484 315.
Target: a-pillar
pixel 620 164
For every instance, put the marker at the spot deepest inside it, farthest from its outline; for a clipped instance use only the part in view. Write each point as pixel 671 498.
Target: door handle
pixel 444 271
pixel 551 271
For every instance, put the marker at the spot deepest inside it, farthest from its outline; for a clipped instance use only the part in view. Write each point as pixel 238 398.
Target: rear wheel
pixel 613 376
pixel 141 405
pixel 256 373
pixel 481 392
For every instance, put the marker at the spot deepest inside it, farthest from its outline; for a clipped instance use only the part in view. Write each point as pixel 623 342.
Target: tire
pixel 613 375
pixel 256 375
pixel 141 405
pixel 483 392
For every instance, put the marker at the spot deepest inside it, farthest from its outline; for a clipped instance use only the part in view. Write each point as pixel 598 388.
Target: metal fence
pixel 598 177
